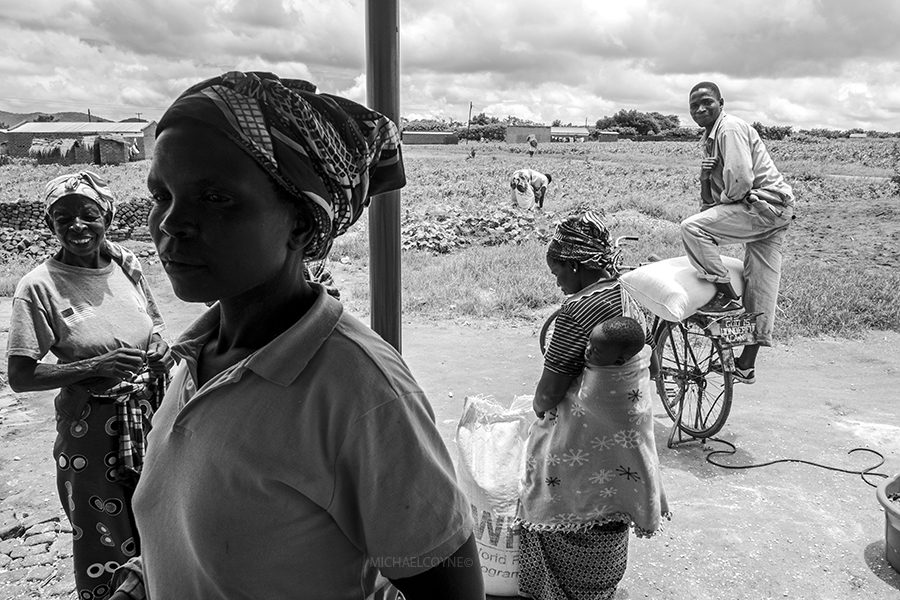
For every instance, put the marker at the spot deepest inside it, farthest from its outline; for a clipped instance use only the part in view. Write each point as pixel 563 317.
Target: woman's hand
pixel 159 357
pixel 121 363
pixel 551 390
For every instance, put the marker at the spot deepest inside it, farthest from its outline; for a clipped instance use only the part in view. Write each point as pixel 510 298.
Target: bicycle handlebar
pixel 629 238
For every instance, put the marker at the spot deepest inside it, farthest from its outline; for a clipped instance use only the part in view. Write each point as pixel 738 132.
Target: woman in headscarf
pixel 592 469
pixel 294 455
pixel 90 306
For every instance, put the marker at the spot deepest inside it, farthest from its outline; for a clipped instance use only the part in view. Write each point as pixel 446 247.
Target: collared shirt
pixel 744 163
pixel 312 468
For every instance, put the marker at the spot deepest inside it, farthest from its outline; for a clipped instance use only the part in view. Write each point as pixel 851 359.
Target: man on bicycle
pixel 744 200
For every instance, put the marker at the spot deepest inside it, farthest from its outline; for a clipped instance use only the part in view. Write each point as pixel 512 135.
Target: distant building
pixel 607 136
pixel 70 143
pixel 429 137
pixel 569 134
pixel 858 135
pixel 518 134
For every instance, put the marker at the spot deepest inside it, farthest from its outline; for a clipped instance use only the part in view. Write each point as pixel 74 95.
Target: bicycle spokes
pixel 695 392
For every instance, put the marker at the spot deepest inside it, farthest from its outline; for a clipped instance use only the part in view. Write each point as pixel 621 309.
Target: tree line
pixel 627 123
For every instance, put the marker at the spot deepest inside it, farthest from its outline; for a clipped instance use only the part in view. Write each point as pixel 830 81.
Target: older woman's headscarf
pixel 584 239
pixel 82 183
pixel 329 152
pixel 94 187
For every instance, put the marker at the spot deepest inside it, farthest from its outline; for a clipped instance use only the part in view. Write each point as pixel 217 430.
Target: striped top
pixel 578 316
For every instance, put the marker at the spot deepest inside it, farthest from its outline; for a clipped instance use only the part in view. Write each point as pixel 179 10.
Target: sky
pixel 804 63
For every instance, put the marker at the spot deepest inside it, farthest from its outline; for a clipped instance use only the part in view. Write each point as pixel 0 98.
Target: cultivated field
pixel 469 254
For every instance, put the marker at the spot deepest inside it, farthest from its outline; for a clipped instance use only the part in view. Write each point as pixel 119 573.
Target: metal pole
pixel 383 85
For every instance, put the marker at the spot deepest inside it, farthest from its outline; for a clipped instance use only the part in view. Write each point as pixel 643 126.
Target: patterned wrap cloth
pixel 593 460
pixel 136 400
pixel 591 473
pixel 82 183
pixel 331 153
pixel 584 239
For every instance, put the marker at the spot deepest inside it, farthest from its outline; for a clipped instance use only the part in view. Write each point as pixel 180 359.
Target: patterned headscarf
pixel 329 152
pixel 584 239
pixel 82 183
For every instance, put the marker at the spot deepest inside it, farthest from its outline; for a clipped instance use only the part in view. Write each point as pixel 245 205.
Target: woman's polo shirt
pixel 311 467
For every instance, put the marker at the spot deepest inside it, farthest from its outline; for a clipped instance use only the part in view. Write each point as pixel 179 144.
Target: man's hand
pixel 706 167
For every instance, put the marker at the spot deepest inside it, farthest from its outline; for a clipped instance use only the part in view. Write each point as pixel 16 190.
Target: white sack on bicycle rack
pixel 673 290
pixel 491 441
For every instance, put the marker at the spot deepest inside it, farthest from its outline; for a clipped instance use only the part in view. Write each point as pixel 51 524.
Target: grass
pixel 820 299
pixel 834 282
pixel 11 271
pixel 497 281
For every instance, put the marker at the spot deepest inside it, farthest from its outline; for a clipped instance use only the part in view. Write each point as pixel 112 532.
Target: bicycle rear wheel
pixel 691 378
pixel 547 331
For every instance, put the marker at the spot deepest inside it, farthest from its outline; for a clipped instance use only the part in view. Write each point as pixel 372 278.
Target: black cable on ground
pixel 862 473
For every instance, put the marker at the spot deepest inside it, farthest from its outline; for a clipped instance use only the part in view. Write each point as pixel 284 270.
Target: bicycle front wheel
pixel 692 379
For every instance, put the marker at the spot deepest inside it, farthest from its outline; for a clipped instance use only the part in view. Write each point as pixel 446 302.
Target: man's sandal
pixel 739 375
pixel 720 304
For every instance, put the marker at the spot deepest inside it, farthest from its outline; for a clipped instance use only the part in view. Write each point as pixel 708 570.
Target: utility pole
pixel 468 122
pixel 139 115
pixel 89 115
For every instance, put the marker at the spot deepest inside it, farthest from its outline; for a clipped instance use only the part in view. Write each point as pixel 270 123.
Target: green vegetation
pixel 468 254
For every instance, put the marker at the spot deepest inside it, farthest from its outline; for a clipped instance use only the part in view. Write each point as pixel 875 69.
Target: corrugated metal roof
pixel 569 130
pixel 84 128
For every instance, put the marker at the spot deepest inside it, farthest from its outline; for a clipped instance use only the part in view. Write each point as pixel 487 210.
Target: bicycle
pixel 696 362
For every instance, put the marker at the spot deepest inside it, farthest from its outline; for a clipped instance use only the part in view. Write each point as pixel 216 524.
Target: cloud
pixel 806 63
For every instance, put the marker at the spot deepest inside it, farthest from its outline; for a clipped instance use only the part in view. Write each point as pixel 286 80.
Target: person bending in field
pixel 528 187
pixel 744 200
pixel 532 144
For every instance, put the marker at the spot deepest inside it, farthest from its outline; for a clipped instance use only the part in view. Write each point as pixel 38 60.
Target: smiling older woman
pixel 294 455
pixel 90 306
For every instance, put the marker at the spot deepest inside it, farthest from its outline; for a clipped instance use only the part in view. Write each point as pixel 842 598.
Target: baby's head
pixel 615 341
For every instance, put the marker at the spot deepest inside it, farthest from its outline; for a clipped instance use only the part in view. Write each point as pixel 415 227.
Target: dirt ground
pixel 781 531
